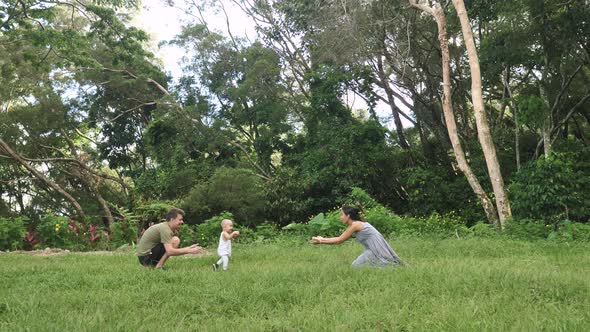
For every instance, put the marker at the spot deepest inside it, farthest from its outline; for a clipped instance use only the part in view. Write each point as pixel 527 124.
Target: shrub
pixel 483 230
pixel 581 232
pixel 12 233
pixel 381 218
pixel 435 225
pixel 551 189
pixel 328 225
pixel 359 196
pixel 236 190
pixel 122 233
pixel 440 190
pixel 126 230
pixel 60 232
pixel 263 232
pixel 187 235
pixel 287 197
pixel 526 229
pixel 195 204
pixel 151 213
pixel 570 231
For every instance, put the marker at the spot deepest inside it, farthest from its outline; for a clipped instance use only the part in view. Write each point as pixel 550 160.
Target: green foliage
pixel 360 196
pixel 434 225
pixel 532 110
pixel 151 213
pixel 64 233
pixel 322 224
pixel 382 219
pixel 188 235
pixel 12 233
pixel 236 190
pixel 483 230
pixel 195 204
pixel 551 189
pixel 122 233
pixel 441 190
pixel 287 198
pixel 341 154
pixel 53 231
pixel 326 224
pixel 568 231
pixel 526 229
pixel 263 232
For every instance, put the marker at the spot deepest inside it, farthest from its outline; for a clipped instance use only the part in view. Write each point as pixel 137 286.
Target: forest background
pixel 475 117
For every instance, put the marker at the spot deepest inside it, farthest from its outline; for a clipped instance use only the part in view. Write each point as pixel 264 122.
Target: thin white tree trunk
pixel 449 116
pixel 483 128
pixel 516 125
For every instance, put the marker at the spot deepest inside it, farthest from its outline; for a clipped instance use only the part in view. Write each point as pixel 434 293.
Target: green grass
pixel 449 285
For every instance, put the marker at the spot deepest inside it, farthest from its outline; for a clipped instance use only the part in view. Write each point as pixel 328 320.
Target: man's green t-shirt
pixel 159 233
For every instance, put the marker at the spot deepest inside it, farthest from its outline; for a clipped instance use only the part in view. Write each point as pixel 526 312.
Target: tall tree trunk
pixel 6 148
pixel 481 119
pixel 91 180
pixel 399 128
pixel 547 124
pixel 103 203
pixel 515 116
pixel 486 203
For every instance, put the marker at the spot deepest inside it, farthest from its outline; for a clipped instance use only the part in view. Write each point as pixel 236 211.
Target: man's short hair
pixel 173 213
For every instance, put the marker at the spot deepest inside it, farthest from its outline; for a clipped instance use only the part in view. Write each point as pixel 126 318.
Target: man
pixel 158 242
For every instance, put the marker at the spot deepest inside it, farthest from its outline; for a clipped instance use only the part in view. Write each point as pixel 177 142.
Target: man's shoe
pixel 215 266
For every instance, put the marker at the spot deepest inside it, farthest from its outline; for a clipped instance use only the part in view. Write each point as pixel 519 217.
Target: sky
pixel 163 22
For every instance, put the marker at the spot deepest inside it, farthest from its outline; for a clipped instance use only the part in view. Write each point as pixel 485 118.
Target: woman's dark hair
pixel 353 212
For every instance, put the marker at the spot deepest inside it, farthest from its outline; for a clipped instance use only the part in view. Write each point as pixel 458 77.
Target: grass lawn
pixel 449 285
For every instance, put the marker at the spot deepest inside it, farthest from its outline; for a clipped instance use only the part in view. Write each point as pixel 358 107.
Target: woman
pixel 377 250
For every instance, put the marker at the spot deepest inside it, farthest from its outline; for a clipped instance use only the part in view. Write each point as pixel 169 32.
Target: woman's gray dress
pixel 377 251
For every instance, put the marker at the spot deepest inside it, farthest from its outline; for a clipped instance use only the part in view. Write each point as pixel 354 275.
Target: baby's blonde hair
pixel 225 222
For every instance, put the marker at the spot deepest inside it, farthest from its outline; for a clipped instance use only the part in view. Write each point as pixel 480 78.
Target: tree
pixel 483 129
pixel 439 16
pixel 59 53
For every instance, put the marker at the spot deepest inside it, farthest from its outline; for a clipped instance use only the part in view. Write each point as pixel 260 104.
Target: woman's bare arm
pixel 352 228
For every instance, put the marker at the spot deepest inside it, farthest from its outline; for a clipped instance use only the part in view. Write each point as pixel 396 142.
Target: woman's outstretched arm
pixel 352 228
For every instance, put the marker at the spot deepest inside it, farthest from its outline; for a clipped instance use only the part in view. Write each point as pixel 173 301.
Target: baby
pixel 224 248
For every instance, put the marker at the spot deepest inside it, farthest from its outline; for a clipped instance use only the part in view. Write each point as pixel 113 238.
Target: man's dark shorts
pixel 153 257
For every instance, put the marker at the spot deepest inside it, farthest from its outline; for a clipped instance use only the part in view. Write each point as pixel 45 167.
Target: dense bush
pixel 360 196
pixel 236 190
pixel 483 230
pixel 434 225
pixel 570 231
pixel 287 200
pixel 551 189
pixel 12 233
pixel 442 191
pixel 122 233
pixel 151 213
pixel 526 229
pixel 187 235
pixel 60 232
